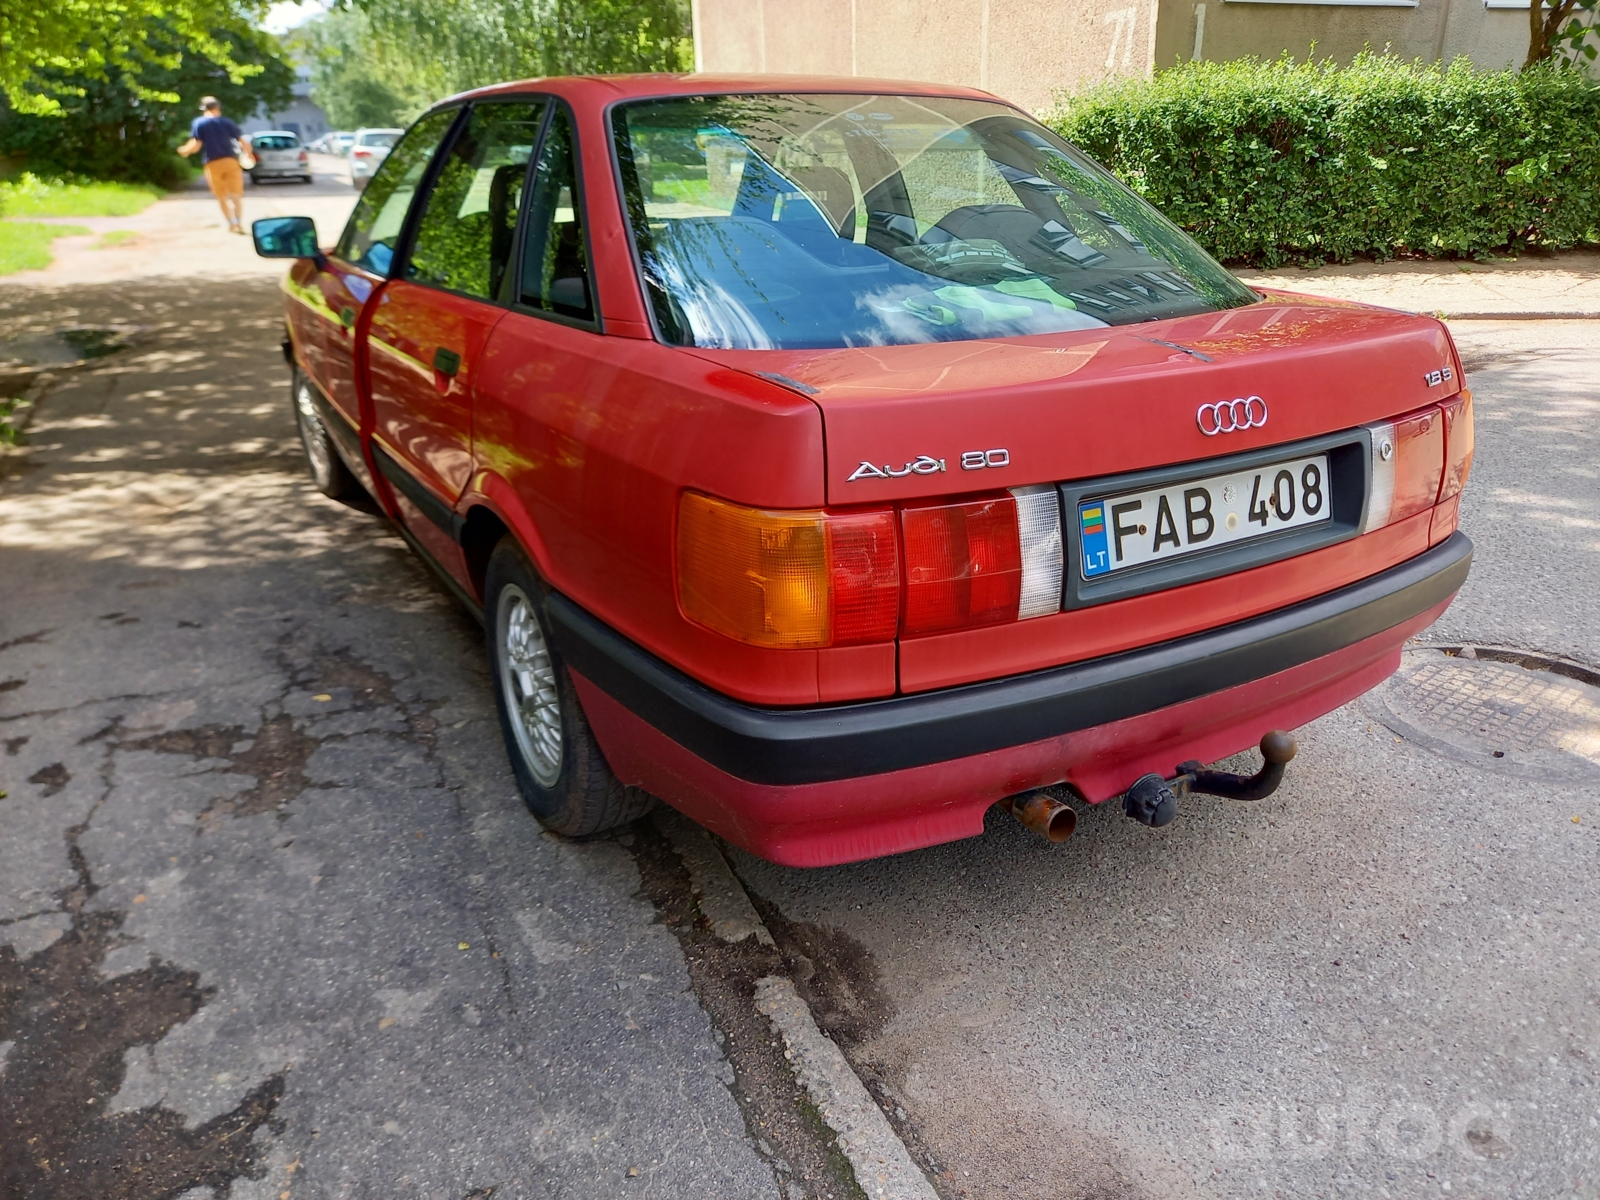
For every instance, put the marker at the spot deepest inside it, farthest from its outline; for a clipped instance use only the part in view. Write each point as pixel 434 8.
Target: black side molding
pixel 812 745
pixel 414 490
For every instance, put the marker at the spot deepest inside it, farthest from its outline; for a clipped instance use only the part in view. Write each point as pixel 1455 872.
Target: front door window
pixel 373 234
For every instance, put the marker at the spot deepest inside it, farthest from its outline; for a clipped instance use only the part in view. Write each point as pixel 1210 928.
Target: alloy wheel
pixel 314 437
pixel 528 683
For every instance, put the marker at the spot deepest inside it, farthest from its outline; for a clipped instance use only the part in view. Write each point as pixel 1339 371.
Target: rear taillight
pixel 981 562
pixel 788 579
pixel 1458 444
pixel 361 154
pixel 816 578
pixel 1407 467
pixel 304 157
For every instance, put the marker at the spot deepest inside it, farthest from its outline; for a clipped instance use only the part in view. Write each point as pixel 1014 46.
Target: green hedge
pixel 1271 163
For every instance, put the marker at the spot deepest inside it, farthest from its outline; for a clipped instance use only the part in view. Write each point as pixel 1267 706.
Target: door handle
pixel 446 362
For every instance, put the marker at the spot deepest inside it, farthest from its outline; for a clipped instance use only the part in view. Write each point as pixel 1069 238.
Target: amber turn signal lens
pixel 788 579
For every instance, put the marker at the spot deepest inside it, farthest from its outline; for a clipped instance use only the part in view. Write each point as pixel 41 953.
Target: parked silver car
pixel 368 151
pixel 279 155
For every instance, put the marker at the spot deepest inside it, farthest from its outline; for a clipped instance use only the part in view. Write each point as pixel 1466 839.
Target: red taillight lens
pixel 1459 440
pixel 788 579
pixel 361 154
pixel 303 156
pixel 963 564
pixel 1407 468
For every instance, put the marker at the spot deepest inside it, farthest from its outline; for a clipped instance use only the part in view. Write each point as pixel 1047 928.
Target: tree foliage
pixel 396 57
pixel 125 123
pixel 49 49
pixel 1269 163
pixel 1564 32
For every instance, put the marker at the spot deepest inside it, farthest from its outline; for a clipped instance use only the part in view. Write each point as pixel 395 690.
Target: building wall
pixel 1434 29
pixel 1024 50
pixel 304 115
pixel 1028 50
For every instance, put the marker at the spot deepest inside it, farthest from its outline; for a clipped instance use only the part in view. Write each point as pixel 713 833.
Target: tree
pixel 415 51
pixel 50 49
pixel 1563 29
pixel 347 79
pixel 125 123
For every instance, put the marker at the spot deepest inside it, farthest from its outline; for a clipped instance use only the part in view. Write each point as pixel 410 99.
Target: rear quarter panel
pixel 594 438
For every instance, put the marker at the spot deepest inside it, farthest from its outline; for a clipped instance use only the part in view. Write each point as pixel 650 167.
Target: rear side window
pixel 555 260
pixel 373 234
pixel 466 229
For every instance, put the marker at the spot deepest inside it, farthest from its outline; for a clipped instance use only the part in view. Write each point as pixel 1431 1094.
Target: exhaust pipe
pixel 1042 813
pixel 1153 800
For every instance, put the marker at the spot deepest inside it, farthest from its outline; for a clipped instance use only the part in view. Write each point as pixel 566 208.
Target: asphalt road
pixel 279 925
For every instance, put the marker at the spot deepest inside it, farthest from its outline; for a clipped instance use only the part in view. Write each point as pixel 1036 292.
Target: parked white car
pixel 367 152
pixel 279 155
pixel 337 141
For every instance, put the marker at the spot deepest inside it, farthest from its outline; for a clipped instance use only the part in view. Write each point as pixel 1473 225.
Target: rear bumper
pixel 819 785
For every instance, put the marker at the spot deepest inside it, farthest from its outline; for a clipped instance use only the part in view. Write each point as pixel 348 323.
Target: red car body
pixel 581 442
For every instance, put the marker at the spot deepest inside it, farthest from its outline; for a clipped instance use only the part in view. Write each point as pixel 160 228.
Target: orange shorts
pixel 226 177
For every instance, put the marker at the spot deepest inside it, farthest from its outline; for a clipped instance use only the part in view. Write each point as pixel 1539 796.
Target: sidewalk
pixel 1564 286
pixel 184 234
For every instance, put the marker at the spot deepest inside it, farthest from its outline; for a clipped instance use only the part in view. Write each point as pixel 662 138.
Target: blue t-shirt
pixel 215 135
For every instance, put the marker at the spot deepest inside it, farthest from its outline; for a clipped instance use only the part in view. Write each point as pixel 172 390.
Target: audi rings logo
pixel 1228 416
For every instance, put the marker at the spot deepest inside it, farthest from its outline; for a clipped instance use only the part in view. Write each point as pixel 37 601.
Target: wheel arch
pixel 490 511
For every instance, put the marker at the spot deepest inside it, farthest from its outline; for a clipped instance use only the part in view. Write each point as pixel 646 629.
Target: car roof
pixel 603 90
pixel 274 133
pixel 376 129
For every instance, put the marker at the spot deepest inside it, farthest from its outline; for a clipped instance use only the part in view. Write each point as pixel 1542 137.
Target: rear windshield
pixel 794 221
pixel 380 139
pixel 274 141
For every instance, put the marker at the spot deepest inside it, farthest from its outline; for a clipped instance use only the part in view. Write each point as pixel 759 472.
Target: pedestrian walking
pixel 215 136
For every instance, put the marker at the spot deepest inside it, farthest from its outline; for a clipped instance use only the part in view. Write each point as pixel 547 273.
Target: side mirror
pixel 287 237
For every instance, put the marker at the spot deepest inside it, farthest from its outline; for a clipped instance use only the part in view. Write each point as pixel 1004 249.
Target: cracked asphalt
pixel 275 924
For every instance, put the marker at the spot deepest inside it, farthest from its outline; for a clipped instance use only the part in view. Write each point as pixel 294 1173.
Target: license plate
pixel 1130 530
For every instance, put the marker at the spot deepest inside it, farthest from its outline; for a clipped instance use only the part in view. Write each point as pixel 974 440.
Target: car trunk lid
pixel 939 419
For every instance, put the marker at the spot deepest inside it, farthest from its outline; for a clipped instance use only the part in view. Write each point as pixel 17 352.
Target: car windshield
pixel 385 140
pixel 796 221
pixel 274 141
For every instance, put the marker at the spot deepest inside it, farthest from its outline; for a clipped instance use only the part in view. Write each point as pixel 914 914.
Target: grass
pixel 25 245
pixel 115 237
pixel 30 196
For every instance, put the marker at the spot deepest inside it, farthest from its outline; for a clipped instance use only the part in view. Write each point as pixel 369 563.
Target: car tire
pixel 560 770
pixel 332 478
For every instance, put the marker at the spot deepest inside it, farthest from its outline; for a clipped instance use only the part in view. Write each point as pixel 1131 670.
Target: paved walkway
pixel 184 234
pixel 1549 286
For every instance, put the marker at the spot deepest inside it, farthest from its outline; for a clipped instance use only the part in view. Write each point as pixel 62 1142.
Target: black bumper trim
pixel 787 746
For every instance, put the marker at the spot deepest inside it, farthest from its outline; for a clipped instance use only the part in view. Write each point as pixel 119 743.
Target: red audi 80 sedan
pixel 835 459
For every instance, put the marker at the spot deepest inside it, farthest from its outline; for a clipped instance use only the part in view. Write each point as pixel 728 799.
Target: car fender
pixel 491 491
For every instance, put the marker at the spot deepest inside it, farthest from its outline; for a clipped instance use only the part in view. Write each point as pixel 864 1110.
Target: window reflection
pixel 371 236
pixel 831 220
pixel 555 263
pixel 464 236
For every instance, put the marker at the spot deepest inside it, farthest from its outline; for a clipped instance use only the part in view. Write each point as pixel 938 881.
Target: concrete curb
pixel 883 1166
pixel 722 898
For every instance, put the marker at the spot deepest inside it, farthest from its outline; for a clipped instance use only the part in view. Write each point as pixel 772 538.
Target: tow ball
pixel 1153 800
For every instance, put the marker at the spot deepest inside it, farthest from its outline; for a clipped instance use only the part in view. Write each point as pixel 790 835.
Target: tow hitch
pixel 1153 800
